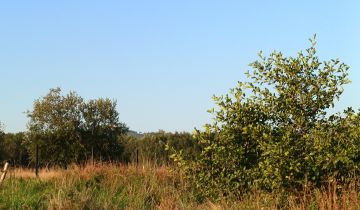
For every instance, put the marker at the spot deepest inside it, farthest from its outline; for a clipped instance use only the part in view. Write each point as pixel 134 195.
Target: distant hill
pixel 135 134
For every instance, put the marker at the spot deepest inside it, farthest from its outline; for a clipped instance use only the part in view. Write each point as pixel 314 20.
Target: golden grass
pixel 108 186
pixel 162 172
pixel 44 174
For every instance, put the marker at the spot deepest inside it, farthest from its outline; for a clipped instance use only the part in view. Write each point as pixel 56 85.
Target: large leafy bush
pixel 273 130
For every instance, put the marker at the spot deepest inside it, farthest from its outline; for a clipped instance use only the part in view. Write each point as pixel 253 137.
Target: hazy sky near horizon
pixel 161 60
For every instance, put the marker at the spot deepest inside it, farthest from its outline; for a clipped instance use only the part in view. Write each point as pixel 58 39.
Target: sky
pixel 161 60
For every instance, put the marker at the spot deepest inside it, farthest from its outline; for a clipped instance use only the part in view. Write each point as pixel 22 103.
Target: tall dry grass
pixel 114 186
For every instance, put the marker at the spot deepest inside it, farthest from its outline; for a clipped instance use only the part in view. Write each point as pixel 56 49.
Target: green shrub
pixel 273 131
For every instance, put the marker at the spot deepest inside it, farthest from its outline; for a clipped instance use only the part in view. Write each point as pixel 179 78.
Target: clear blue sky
pixel 161 60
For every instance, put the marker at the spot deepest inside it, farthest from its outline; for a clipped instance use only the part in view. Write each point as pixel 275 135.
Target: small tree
pixel 101 128
pixel 67 129
pixel 55 128
pixel 273 131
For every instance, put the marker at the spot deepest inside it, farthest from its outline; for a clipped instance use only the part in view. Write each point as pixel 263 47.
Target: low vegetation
pixel 146 186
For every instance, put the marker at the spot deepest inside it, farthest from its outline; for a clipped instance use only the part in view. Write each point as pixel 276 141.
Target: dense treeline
pixel 153 147
pixel 66 129
pixel 18 148
pixel 14 148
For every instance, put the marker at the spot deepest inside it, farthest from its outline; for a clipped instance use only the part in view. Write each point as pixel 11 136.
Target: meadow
pixel 146 186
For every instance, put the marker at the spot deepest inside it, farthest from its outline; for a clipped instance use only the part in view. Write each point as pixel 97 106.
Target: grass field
pixel 146 187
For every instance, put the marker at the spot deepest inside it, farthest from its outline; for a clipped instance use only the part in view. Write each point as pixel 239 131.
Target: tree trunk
pixel 37 161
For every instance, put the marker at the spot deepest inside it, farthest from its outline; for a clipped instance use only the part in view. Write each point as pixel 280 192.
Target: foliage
pixel 14 148
pixel 68 129
pixel 273 131
pixel 101 128
pixel 54 127
pixel 152 147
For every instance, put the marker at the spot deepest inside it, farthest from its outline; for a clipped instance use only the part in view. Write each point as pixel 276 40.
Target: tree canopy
pixel 68 129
